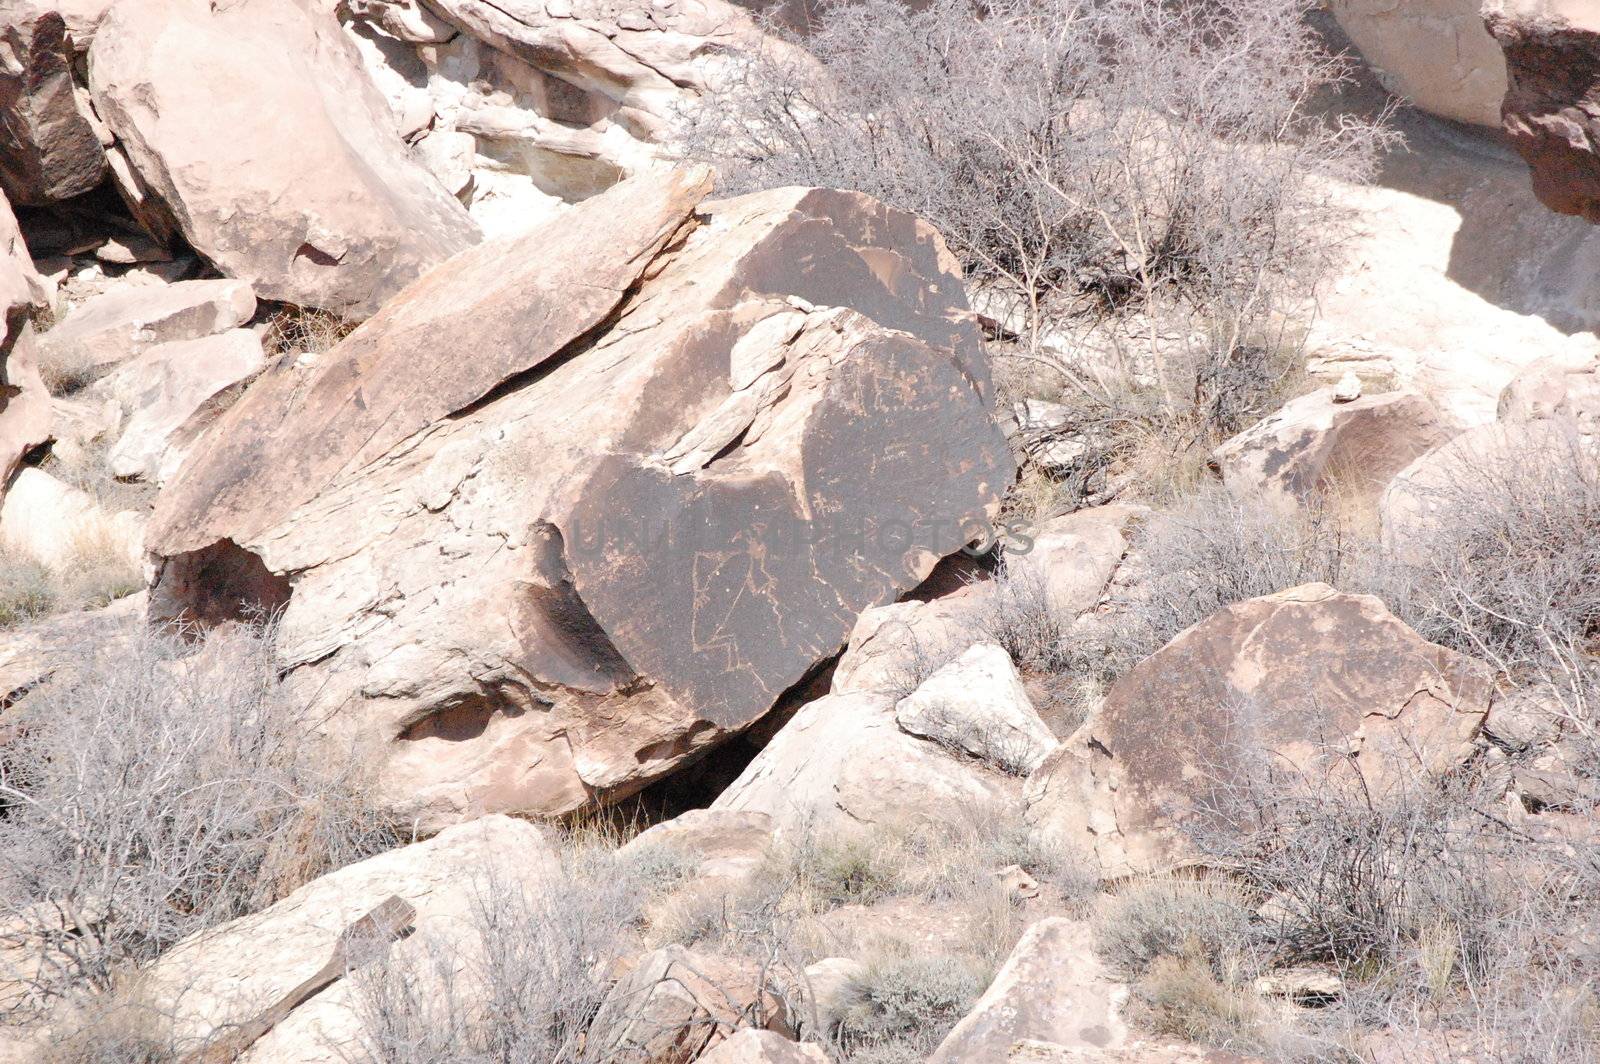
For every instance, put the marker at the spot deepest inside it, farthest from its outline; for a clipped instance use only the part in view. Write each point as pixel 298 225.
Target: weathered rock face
pixel 1318 446
pixel 171 393
pixel 763 1047
pixel 229 975
pixel 1551 108
pixel 692 442
pixel 49 148
pixel 977 703
pixel 544 101
pixel 1435 53
pixel 843 763
pixel 1555 388
pixel 114 327
pixel 1292 676
pixel 257 130
pixel 1051 989
pixel 25 416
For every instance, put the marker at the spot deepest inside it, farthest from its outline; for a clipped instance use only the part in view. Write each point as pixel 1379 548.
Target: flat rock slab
pixel 112 328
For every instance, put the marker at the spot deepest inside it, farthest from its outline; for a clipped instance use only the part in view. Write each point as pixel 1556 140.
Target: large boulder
pixel 62 527
pixel 1307 677
pixel 255 127
pixel 1435 53
pixel 25 413
pixel 844 764
pixel 1551 109
pixel 219 980
pixel 581 503
pixel 49 147
pixel 1317 447
pixel 1051 989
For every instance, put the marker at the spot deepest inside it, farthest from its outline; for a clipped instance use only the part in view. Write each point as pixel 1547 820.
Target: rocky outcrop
pixel 1434 53
pixel 219 980
pixel 1317 447
pixel 114 327
pixel 1051 989
pixel 50 146
pixel 1294 679
pixel 977 704
pixel 528 105
pixel 843 764
pixel 763 1047
pixel 255 129
pixel 676 1004
pixel 1551 108
pixel 25 416
pixel 692 442
pixel 171 393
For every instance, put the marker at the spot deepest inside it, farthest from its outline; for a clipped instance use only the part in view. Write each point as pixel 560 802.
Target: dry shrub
pixel 1512 571
pixel 307 329
pixel 153 793
pixel 28 590
pixel 66 370
pixel 903 1004
pixel 1138 188
pixel 526 981
pixel 1167 917
pixel 1183 998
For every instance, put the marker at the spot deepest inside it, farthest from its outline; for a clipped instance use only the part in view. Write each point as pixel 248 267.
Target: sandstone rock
pixel 893 648
pixel 763 1047
pixel 171 393
pixel 676 1004
pixel 717 843
pixel 562 99
pixel 1551 109
pixel 82 17
pixel 25 415
pixel 225 976
pixel 831 988
pixel 33 654
pixel 255 127
pixel 1555 388
pixel 1434 53
pixel 49 150
pixel 1307 677
pixel 1075 557
pixel 61 526
pixel 977 703
pixel 114 327
pixel 1428 491
pixel 843 764
pixel 1052 989
pixel 630 521
pixel 1317 446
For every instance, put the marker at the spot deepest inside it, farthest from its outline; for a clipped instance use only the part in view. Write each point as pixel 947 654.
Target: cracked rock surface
pixel 580 503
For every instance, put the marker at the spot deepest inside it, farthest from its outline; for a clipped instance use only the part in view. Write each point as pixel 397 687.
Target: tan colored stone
pixel 718 844
pixel 49 150
pixel 1306 677
pixel 1435 53
pixel 114 327
pixel 170 393
pixel 843 764
pixel 976 703
pixel 1317 447
pixel 58 525
pixel 25 412
pixel 1051 989
pixel 543 576
pixel 225 976
pixel 763 1047
pixel 255 127
pixel 1078 555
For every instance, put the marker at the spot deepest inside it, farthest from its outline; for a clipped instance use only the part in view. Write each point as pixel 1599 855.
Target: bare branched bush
pixel 1136 187
pixel 1509 570
pixel 903 1004
pixel 523 981
pixel 1211 550
pixel 306 329
pixel 159 790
